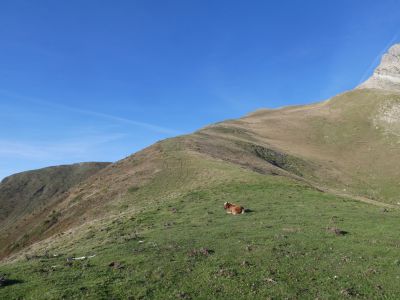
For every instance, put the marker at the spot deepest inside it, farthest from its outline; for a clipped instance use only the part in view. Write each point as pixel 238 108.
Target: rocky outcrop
pixel 387 75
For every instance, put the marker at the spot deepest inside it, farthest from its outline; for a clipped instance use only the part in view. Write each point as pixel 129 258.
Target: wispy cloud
pixel 151 127
pixel 373 64
pixel 53 150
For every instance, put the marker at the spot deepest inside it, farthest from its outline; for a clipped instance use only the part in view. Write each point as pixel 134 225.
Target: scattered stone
pixel 169 224
pixel 345 258
pixel 79 258
pixel 270 280
pixel 371 271
pixel 183 295
pixel 130 236
pixel 200 252
pixel 249 248
pixel 69 259
pixel 225 272
pixel 337 231
pixel 349 292
pixel 245 263
pixel 115 265
pixel 174 210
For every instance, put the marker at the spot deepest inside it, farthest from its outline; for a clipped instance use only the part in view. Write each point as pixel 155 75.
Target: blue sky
pixel 99 80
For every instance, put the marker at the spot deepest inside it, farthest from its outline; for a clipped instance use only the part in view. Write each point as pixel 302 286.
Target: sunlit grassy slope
pixel 156 225
pixel 171 239
pixel 350 143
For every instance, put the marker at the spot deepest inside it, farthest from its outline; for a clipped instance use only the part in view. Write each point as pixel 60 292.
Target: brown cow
pixel 233 208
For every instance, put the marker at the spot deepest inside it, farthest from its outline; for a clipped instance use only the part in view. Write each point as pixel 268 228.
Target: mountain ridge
pixel 316 144
pixel 387 75
pixel 29 194
pixel 154 221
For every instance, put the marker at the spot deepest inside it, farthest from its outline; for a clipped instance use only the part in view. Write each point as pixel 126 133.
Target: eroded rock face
pixel 387 75
pixel 387 118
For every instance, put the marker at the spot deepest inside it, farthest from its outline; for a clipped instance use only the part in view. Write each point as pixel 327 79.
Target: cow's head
pixel 227 205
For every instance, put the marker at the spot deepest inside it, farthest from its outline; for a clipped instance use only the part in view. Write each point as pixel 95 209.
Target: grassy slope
pixel 170 197
pixel 24 192
pixel 349 143
pixel 31 195
pixel 281 249
pixel 341 146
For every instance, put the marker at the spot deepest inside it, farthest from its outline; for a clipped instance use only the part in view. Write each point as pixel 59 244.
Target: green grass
pixel 279 250
pixel 166 235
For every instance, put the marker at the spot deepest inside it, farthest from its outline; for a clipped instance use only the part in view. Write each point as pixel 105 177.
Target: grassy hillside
pixel 28 190
pixel 28 195
pixel 171 239
pixel 154 227
pixel 349 143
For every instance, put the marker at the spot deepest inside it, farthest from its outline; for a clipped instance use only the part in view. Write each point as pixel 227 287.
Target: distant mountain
pixel 26 194
pixel 347 146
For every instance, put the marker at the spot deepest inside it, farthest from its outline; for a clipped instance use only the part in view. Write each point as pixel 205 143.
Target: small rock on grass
pixel 349 292
pixel 245 263
pixel 115 265
pixel 200 252
pixel 270 280
pixel 183 295
pixel 337 231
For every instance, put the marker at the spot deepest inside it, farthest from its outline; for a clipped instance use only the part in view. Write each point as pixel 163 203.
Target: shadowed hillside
pixel 27 195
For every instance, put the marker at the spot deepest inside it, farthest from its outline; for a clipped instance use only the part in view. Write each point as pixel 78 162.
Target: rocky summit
pixel 387 75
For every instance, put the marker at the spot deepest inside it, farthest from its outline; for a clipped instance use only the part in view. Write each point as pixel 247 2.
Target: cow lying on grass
pixel 233 208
